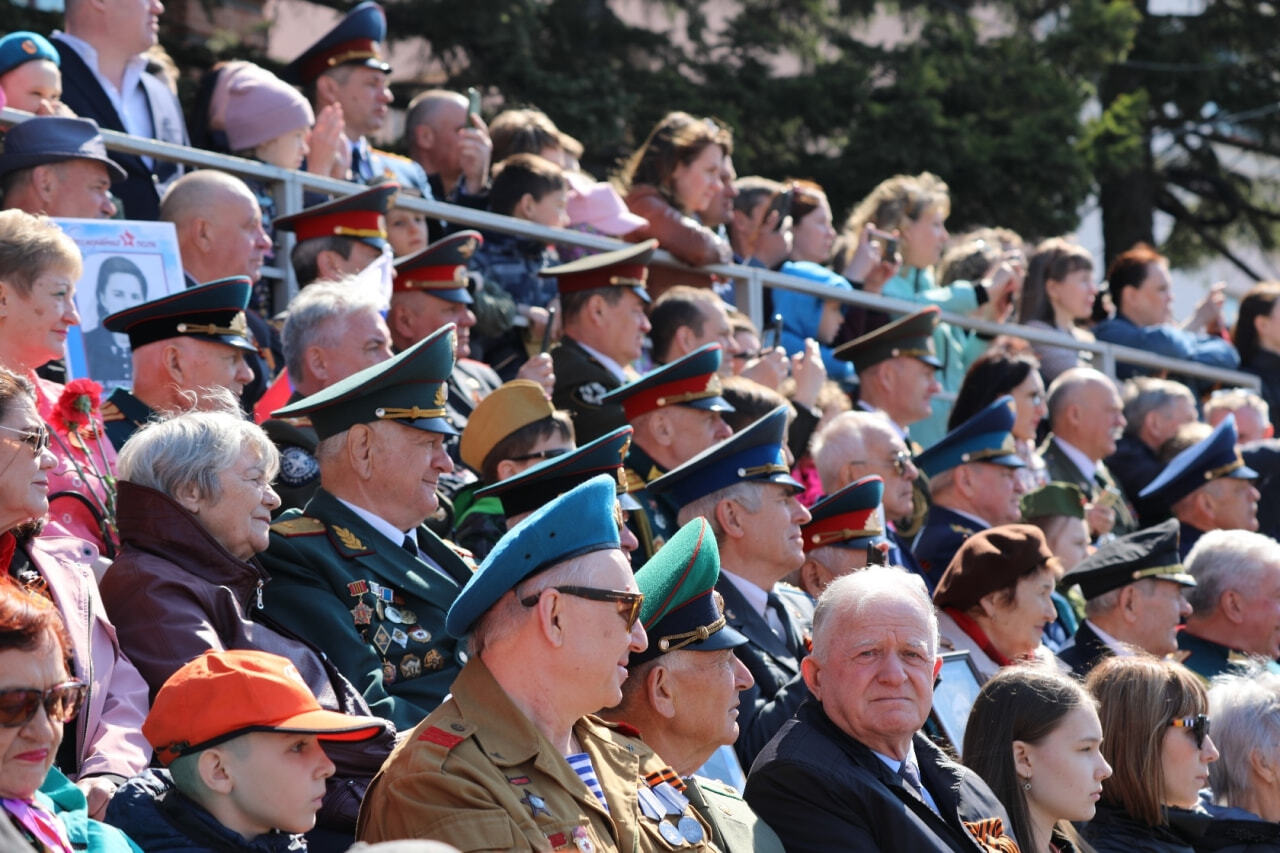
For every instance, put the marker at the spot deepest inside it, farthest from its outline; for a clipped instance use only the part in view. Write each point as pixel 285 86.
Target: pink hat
pixel 254 106
pixel 600 206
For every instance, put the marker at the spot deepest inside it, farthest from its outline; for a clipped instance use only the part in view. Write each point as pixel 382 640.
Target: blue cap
pixel 408 388
pixel 848 517
pixel 754 455
pixel 360 216
pixel 581 521
pixel 1210 459
pixel 985 437
pixel 440 269
pixel 681 608
pixel 213 311
pixel 355 40
pixel 53 139
pixel 24 46
pixel 531 488
pixel 692 380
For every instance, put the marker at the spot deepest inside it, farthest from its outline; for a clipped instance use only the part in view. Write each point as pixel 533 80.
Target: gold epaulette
pixel 303 525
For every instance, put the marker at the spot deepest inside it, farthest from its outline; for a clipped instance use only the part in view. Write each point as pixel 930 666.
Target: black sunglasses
pixel 38 440
pixel 540 454
pixel 1199 726
pixel 18 705
pixel 628 602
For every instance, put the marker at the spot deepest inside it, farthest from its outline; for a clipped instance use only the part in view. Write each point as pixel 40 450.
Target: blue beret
pixel 581 521
pixel 985 437
pixel 1210 459
pixel 25 46
pixel 753 455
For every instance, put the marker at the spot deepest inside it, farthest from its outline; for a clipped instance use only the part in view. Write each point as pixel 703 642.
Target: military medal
pixel 433 660
pixel 649 803
pixel 358 587
pixel 407 616
pixel 392 613
pixel 670 834
pixel 691 830
pixel 536 804
pixel 420 634
pixel 582 841
pixel 400 638
pixel 382 640
pixel 674 801
pixel 362 614
pixel 388 672
pixel 410 666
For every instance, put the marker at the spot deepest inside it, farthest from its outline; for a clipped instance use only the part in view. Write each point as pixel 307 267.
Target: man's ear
pixel 171 359
pixel 214 772
pixel 732 518
pixel 329 264
pixel 811 672
pixel 424 136
pixel 1129 605
pixel 685 339
pixel 814 577
pixel 326 91
pixel 660 690
pixel 44 180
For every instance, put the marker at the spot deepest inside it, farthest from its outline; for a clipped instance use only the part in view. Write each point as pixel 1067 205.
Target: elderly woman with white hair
pixel 1245 707
pixel 195 506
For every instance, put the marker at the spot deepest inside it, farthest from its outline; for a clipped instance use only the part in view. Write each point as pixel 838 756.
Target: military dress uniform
pixel 359 217
pixel 299 475
pixel 122 415
pixel 655 521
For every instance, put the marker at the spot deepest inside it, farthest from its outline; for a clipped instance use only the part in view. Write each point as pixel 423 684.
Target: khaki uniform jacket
pixel 477 774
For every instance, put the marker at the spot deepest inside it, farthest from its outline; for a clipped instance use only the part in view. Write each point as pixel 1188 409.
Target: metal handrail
pixel 290 185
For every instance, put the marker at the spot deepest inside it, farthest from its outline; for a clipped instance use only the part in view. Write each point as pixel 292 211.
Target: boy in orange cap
pixel 240 733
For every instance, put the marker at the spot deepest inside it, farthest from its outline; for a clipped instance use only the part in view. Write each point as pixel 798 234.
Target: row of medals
pixel 663 801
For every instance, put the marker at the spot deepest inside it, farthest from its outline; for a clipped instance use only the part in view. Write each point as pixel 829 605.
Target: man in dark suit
pixel 105 78
pixel 743 487
pixel 602 304
pixel 1154 409
pixel 1086 419
pixel 1132 588
pixel 356 572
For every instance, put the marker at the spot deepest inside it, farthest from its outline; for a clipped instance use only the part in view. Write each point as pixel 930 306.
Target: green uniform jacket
pixel 299 476
pixel 376 610
pixel 478 775
pixel 581 380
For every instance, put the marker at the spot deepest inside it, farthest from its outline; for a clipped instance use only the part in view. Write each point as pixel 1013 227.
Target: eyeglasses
pixel 38 440
pixel 540 454
pixel 1199 726
pixel 628 602
pixel 61 702
pixel 900 461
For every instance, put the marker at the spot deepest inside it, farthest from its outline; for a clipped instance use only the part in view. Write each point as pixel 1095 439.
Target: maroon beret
pixel 987 562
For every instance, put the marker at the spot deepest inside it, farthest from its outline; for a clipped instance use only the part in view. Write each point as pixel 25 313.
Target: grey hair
pixel 839 441
pixel 1063 390
pixel 315 315
pixel 1146 394
pixel 1110 599
pixel 1245 706
pixel 747 493
pixel 850 593
pixel 1231 399
pixel 192 449
pixel 1227 559
pixel 505 616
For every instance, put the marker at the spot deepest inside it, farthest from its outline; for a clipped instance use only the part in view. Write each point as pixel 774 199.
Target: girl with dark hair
pixel 1257 339
pixel 1059 293
pixel 121 285
pixel 1034 737
pixel 1007 369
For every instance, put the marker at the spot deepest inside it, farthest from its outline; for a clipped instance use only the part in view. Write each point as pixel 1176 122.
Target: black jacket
pixel 1085 651
pixel 822 791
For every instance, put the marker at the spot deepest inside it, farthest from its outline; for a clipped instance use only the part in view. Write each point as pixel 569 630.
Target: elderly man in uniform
pixel 602 303
pixel 743 487
pixel 1132 587
pixel 512 761
pixel 332 331
pixel 677 412
pixel 1208 487
pixel 1235 606
pixel 58 167
pixel 355 572
pixel 184 345
pixel 851 771
pixel 897 368
pixel 346 67
pixel 972 474
pixel 1086 419
pixel 681 692
pixel 340 237
pixel 845 534
pixel 854 445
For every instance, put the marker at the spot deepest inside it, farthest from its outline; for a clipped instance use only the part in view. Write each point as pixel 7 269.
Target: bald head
pixel 191 195
pixel 219 225
pixel 1085 410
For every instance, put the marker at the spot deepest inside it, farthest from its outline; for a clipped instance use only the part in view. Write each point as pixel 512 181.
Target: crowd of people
pixel 338 571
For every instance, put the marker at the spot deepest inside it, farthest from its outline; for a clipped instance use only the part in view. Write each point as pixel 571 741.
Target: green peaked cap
pixel 408 388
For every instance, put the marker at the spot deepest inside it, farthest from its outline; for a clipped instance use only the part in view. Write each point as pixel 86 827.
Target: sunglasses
pixel 1199 726
pixel 900 461
pixel 628 603
pixel 540 454
pixel 61 702
pixel 38 441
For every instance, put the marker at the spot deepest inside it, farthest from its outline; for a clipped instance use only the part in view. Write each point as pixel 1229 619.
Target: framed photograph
pixel 954 695
pixel 125 263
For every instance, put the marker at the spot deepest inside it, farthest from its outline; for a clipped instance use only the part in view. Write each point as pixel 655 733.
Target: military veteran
pixel 677 412
pixel 513 761
pixel 851 771
pixel 682 691
pixel 183 344
pixel 339 237
pixel 355 572
pixel 846 533
pixel 59 167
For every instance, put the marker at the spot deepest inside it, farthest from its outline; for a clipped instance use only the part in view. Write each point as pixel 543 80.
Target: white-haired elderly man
pixel 1245 709
pixel 1154 409
pixel 851 771
pixel 1235 605
pixel 333 330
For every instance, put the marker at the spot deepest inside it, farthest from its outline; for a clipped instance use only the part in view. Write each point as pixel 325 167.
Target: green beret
pixel 1056 498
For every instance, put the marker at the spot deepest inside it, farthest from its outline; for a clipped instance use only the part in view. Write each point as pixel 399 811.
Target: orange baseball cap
pixel 222 695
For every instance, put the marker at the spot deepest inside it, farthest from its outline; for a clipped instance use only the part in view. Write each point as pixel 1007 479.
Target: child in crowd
pixel 406 229
pixel 30 76
pixel 239 732
pixel 512 429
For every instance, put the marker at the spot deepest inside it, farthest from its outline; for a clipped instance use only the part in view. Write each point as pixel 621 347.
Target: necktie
pixel 911 778
pixel 773 614
pixel 358 164
pixel 410 544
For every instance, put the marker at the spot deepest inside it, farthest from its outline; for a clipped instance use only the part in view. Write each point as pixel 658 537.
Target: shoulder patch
pixel 303 525
pixel 391 155
pixel 590 393
pixel 447 739
pixel 298 467
pixel 467 556
pixel 110 412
